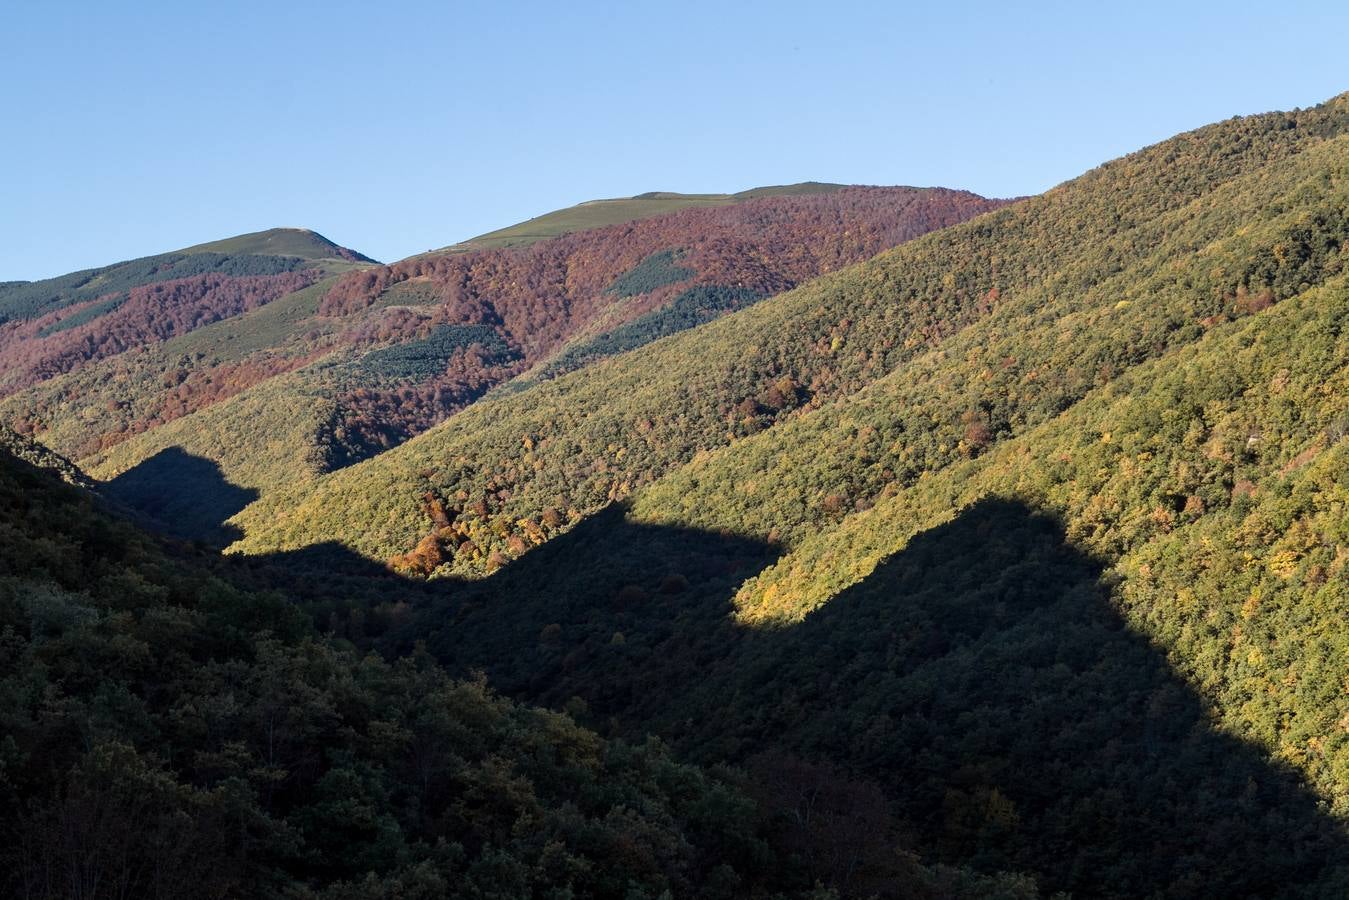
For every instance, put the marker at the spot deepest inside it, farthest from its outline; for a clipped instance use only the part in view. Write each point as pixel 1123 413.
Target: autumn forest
pixel 816 541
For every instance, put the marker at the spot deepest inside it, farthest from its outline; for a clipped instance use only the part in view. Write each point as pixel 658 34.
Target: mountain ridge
pixel 600 212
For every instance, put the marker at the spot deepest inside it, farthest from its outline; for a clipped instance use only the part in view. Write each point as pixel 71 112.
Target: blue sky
pixel 397 127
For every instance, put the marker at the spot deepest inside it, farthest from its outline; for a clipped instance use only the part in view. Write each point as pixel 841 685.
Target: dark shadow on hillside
pixel 982 677
pixel 181 495
pixel 347 596
pixel 985 678
pixel 583 614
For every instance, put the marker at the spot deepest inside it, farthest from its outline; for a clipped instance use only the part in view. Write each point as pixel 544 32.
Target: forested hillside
pixel 1036 524
pixel 983 329
pixel 57 326
pixel 1132 601
pixel 102 404
pixel 613 288
pixel 170 733
pixel 340 371
pixel 856 542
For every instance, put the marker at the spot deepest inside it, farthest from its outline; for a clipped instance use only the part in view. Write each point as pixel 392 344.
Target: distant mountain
pixel 299 242
pixel 59 325
pixel 246 254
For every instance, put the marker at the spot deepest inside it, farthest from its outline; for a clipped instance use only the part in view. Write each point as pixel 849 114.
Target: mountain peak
pixel 302 242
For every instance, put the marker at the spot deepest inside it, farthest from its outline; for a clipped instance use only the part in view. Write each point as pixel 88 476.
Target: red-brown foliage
pixel 768 245
pixel 373 419
pixel 539 297
pixel 182 390
pixel 150 313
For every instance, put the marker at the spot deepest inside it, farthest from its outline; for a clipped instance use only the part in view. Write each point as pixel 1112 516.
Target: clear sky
pixel 396 127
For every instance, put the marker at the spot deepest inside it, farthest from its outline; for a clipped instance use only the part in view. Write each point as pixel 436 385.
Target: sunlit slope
pixel 268 429
pixel 1107 626
pixel 1252 243
pixel 261 253
pixel 1233 447
pixel 391 351
pixel 1207 486
pixel 1067 290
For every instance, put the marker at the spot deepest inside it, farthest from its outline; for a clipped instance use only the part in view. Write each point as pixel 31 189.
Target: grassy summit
pixel 598 213
pixel 299 242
